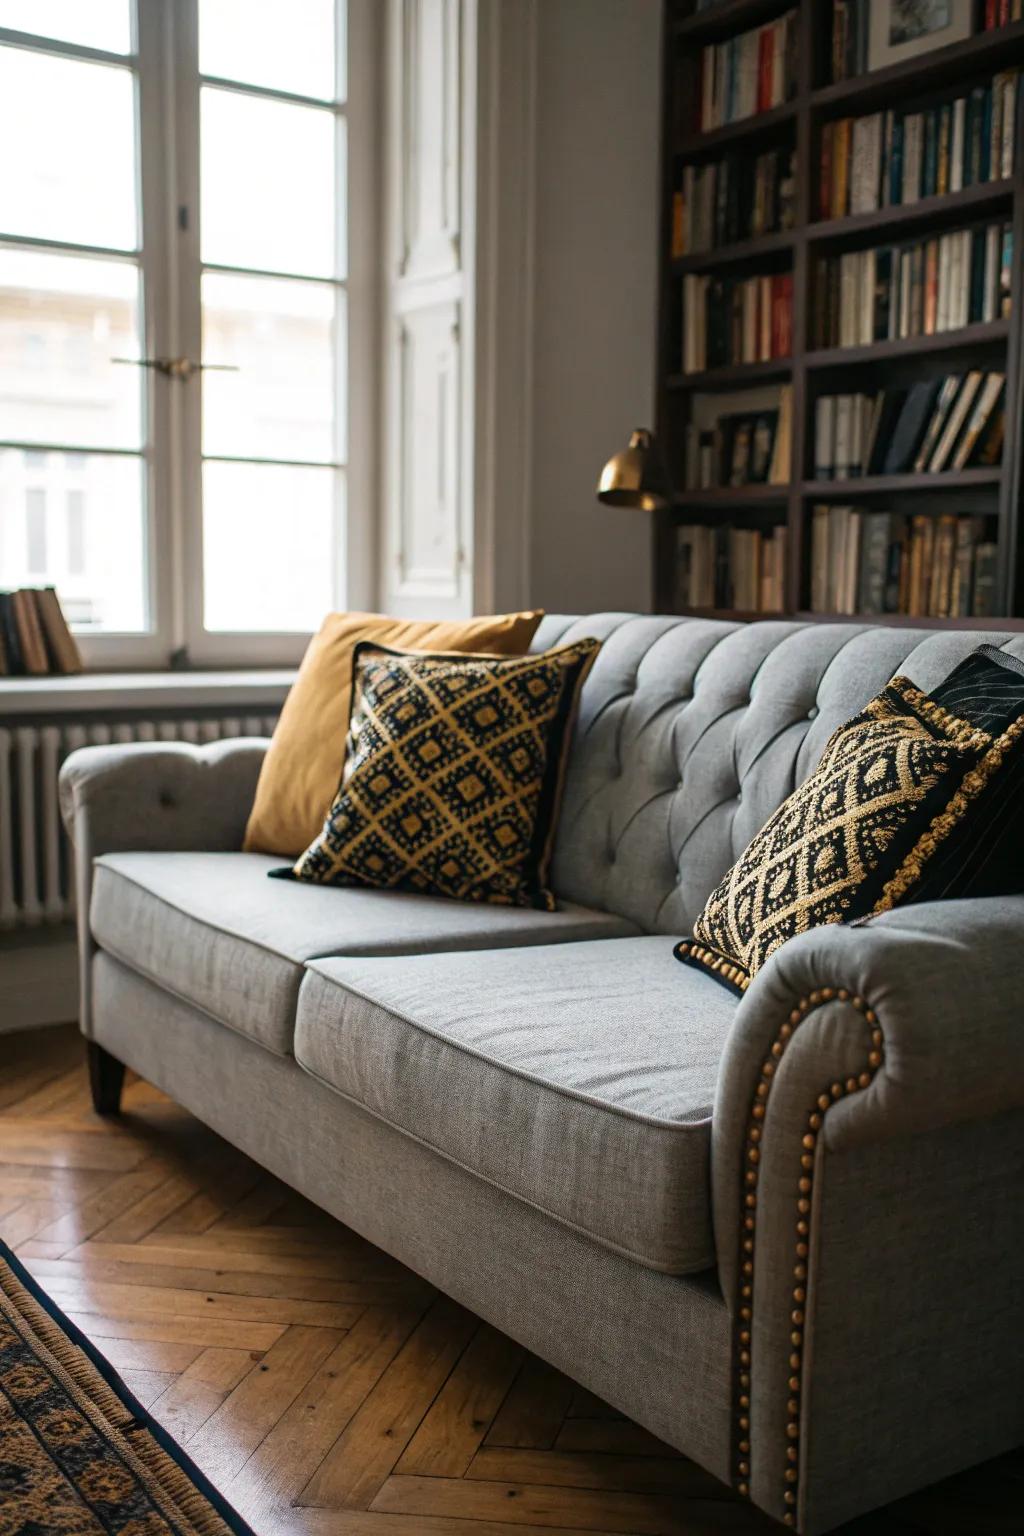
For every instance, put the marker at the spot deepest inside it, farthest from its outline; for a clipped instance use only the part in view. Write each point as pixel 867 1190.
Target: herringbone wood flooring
pixel 327 1390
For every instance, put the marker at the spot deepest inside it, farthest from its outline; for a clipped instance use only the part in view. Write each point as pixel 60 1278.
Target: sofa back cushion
pixel 691 732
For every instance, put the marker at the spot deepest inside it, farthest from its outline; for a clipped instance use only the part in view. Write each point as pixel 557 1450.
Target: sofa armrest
pixel 907 1023
pixel 868 1133
pixel 156 796
pixel 160 795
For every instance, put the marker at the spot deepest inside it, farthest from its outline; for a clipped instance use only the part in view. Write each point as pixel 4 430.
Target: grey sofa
pixel 783 1233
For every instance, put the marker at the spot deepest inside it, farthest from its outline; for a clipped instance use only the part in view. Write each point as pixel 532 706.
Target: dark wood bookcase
pixel 919 82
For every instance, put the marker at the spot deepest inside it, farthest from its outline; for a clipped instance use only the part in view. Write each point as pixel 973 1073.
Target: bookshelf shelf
pixel 725 18
pixel 894 485
pixel 970 337
pixel 972 202
pixel 910 621
pixel 985 50
pixel 730 615
pixel 692 406
pixel 734 255
pixel 735 376
pixel 732 496
pixel 730 134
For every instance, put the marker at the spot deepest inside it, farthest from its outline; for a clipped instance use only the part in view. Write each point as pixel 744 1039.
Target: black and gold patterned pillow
pixel 895 787
pixel 453 774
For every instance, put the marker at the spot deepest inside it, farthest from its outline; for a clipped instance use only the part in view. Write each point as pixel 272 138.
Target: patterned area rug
pixel 78 1455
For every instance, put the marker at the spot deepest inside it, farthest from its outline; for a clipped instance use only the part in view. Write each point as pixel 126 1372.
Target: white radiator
pixel 36 878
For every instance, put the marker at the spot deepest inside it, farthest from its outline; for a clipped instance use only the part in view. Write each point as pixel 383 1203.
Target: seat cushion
pixel 579 1077
pixel 213 929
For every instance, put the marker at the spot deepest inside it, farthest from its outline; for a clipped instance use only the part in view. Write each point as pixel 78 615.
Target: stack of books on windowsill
pixel 919 289
pixel 723 567
pixel 936 425
pixel 870 562
pixel 34 636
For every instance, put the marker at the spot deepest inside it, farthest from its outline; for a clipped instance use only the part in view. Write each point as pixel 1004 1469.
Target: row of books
pixel 736 320
pixel 749 73
pixel 742 448
pixel 885 562
pixel 941 284
pixel 999 13
pixel 952 423
pixel 722 567
pixel 735 198
pixel 851 20
pixel 34 634
pixel 892 158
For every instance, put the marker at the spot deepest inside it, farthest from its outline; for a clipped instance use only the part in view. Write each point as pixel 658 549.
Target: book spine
pixel 868 279
pixel 1009 123
pixel 824 437
pixel 974 144
pixel 986 566
pixel 819 560
pixel 841 185
pixel 930 158
pixel 874 563
pixel 931 287
pixel 945 133
pixel 956 149
pixel 765 46
pixel 985 144
pixel 841 462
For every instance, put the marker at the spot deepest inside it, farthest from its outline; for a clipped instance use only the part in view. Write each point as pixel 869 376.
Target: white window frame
pixel 165 58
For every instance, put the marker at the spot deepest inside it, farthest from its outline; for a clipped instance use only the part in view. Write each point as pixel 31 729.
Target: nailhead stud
pixel 815 1123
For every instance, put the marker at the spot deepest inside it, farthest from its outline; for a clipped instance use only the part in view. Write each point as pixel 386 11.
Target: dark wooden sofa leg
pixel 106 1079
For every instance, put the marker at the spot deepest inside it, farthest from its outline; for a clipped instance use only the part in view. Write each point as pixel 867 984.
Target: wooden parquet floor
pixel 327 1390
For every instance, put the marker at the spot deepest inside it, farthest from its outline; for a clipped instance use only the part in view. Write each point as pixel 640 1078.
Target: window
pixel 35 531
pixel 173 319
pixel 76 532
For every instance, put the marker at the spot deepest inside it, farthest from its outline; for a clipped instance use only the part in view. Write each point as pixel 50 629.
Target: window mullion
pixel 186 394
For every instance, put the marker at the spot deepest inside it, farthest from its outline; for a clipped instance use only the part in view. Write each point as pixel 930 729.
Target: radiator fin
pixel 36 862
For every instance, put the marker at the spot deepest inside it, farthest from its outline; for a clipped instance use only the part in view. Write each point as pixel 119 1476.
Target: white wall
pixel 595 294
pixel 520 255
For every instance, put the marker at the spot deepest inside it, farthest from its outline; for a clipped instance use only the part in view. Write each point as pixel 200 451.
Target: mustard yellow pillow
pixel 302 768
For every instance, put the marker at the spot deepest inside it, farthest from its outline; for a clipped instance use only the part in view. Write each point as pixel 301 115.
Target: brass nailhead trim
pixel 805 1185
pixel 716 962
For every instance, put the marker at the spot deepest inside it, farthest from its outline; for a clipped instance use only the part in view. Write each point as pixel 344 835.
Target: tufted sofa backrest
pixel 692 731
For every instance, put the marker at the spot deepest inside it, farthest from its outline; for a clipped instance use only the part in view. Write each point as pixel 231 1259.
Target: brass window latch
pixel 176 367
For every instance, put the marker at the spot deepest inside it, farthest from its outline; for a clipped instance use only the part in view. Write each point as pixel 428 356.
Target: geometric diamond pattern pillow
pixel 894 786
pixel 453 774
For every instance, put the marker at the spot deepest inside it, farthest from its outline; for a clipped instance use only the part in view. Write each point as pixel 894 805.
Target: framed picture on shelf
pixel 902 29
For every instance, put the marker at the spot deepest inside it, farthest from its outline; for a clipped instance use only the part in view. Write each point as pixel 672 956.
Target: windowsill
pixel 232 688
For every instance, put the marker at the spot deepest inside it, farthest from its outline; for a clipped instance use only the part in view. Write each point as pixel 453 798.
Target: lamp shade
pixel 635 477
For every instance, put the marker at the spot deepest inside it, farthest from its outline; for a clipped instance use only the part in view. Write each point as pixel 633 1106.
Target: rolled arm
pixel 157 796
pixel 160 795
pixel 910 1022
pixel 867 1132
